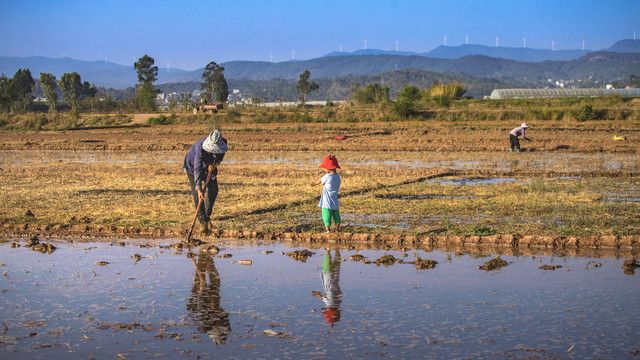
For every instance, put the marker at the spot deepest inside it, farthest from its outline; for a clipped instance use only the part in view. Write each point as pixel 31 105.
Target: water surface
pixel 103 300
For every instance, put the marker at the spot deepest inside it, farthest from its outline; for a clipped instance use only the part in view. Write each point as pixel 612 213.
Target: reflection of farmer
pixel 204 303
pixel 205 154
pixel 332 297
pixel 513 137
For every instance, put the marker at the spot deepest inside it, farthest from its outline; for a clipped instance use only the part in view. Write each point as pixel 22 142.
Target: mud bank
pixel 630 244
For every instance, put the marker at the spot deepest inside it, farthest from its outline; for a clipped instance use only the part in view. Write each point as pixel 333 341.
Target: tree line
pixel 16 93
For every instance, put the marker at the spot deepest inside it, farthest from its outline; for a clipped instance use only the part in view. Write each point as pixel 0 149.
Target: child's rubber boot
pixel 510 150
pixel 518 150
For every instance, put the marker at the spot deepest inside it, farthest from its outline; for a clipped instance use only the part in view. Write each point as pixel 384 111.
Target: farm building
pixel 561 93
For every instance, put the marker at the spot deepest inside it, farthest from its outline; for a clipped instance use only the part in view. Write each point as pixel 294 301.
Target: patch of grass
pixel 163 120
pixel 481 230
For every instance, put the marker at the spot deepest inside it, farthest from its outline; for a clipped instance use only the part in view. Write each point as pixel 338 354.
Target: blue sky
pixel 188 34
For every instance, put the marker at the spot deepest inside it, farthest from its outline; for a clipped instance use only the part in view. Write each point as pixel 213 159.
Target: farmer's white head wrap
pixel 214 143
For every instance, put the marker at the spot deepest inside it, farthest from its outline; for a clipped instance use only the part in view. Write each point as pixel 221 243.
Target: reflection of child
pixel 332 297
pixel 513 137
pixel 329 197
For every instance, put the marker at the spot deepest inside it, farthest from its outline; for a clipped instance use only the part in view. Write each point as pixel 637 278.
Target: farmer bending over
pixel 205 155
pixel 513 137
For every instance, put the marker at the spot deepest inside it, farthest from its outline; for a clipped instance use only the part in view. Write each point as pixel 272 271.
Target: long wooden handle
pixel 200 201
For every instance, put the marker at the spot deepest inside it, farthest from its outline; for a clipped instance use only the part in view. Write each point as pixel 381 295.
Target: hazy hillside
pixel 604 65
pixel 101 73
pixel 339 88
pixel 509 53
pixel 456 52
pixel 628 45
pixel 619 62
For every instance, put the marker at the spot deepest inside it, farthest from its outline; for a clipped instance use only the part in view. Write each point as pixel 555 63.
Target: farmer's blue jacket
pixel 197 161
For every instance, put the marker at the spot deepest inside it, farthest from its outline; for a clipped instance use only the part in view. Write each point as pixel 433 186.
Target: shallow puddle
pixel 472 181
pixel 423 197
pixel 102 300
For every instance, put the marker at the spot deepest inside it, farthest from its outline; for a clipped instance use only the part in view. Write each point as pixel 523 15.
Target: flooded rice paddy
pixel 391 160
pixel 141 300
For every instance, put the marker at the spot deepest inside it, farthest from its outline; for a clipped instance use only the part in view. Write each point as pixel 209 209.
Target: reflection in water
pixel 204 303
pixel 332 296
pixel 66 305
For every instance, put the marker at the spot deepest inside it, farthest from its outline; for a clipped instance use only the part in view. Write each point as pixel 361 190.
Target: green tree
pixel 49 85
pixel 5 96
pixel 406 101
pixel 145 91
pixel 88 90
pixel 71 86
pixel 20 89
pixel 305 86
pixel 187 100
pixel 147 72
pixel 214 84
pixel 371 94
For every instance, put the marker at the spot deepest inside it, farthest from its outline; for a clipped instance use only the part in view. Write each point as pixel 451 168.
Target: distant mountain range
pixel 507 53
pixel 456 52
pixel 518 64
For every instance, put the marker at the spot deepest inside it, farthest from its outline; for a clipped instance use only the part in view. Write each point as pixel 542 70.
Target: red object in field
pixel 340 138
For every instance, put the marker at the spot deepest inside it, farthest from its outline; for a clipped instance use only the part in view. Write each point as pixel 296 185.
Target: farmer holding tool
pixel 201 164
pixel 329 197
pixel 513 137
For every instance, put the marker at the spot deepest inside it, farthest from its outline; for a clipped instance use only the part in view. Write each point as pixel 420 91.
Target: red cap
pixel 330 162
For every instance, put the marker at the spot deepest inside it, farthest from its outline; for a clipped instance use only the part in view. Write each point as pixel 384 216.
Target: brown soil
pixel 403 137
pixel 300 255
pixel 494 264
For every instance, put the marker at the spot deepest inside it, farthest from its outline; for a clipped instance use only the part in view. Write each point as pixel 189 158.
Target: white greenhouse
pixel 561 93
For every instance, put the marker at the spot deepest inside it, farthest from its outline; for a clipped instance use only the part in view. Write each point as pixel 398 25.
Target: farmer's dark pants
pixel 515 143
pixel 204 214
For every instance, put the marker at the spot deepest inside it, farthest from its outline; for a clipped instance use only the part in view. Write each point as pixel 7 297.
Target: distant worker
pixel 329 197
pixel 513 137
pixel 205 155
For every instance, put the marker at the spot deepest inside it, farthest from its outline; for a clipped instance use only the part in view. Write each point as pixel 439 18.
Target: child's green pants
pixel 328 214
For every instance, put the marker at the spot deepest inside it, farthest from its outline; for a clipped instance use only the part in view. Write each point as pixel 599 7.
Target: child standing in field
pixel 329 197
pixel 513 136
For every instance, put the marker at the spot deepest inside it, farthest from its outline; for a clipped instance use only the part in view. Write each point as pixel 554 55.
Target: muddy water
pixel 103 300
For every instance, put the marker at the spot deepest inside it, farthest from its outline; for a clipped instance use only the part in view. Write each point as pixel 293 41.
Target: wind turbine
pixel 365 44
pixel 168 66
pixel 397 45
pixel 524 42
pixel 466 39
pixel 445 39
pixel 583 44
pixel 293 54
pixel 340 47
pixel 553 45
pixel 497 41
